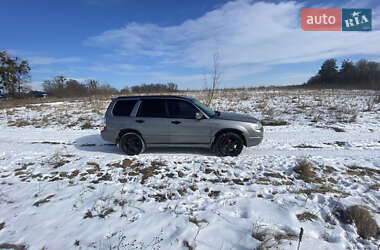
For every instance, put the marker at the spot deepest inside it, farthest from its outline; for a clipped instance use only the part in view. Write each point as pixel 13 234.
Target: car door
pixel 153 122
pixel 183 127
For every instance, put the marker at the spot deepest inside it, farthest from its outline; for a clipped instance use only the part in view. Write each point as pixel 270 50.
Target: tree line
pixel 15 73
pixel 60 86
pixel 151 88
pixel 363 74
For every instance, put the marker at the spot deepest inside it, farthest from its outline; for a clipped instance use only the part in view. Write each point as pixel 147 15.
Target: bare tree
pixel 215 79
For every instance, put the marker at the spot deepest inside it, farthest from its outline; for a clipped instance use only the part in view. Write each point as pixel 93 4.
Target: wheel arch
pixel 234 130
pixel 127 130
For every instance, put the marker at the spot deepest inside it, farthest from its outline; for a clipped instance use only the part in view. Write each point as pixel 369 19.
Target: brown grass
pixel 374 187
pixel 40 202
pixel 102 214
pixel 271 122
pixel 106 212
pixel 196 221
pixel 213 194
pixel 328 170
pixel 364 222
pixel 306 146
pixel 304 169
pixel 187 245
pixel 362 171
pixel 274 175
pixel 12 246
pixel 285 236
pixel 319 190
pixel 259 235
pixel 306 216
pixel 159 197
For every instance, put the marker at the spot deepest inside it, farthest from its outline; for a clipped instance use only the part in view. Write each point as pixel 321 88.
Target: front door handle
pixel 176 122
pixel 140 121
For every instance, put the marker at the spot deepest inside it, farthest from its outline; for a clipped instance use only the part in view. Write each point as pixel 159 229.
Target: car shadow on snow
pixel 94 143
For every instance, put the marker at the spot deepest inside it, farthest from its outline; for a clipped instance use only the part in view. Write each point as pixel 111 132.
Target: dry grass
pixel 139 169
pixel 187 245
pixel 196 221
pixel 285 236
pixel 306 146
pixel 306 216
pixel 375 187
pixel 362 171
pixel 213 194
pixel 271 122
pixel 319 190
pixel 45 200
pixel 304 169
pixel 364 222
pixel 328 170
pixel 270 240
pixel 12 246
pixel 274 175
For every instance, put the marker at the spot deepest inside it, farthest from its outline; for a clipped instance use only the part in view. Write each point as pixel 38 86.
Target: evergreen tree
pixel 329 71
pixel 14 72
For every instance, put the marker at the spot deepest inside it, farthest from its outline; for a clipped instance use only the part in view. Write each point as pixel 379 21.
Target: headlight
pixel 257 126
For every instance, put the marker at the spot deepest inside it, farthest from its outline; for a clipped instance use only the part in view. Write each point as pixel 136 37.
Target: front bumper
pixel 254 141
pixel 255 138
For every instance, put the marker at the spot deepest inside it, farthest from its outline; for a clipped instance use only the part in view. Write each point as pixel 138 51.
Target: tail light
pixel 104 123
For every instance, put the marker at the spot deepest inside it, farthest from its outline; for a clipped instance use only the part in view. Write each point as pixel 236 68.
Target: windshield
pixel 204 108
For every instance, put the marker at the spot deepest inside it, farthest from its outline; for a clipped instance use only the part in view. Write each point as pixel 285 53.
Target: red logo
pixel 321 19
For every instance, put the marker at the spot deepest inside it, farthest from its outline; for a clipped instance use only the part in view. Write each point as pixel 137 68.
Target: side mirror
pixel 198 116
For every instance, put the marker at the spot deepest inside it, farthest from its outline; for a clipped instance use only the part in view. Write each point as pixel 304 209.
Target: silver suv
pixel 137 122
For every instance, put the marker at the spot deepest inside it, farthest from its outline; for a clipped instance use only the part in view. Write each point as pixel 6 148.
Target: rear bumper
pixel 107 135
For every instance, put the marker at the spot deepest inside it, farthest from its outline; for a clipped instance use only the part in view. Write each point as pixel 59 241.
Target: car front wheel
pixel 132 144
pixel 228 144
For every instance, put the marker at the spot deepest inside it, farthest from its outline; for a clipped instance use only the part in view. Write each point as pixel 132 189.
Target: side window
pixel 181 109
pixel 152 108
pixel 123 107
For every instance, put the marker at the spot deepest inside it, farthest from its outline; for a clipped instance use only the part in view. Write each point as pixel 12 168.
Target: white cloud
pixel 39 60
pixel 34 85
pixel 243 32
pixel 248 36
pixel 120 68
pixel 35 59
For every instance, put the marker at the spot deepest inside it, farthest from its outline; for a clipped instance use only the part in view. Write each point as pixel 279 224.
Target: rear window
pixel 123 107
pixel 152 108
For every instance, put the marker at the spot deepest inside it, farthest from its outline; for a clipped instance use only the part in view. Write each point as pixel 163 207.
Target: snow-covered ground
pixel 62 187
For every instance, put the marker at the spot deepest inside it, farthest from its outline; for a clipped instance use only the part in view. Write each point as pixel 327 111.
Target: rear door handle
pixel 176 122
pixel 140 121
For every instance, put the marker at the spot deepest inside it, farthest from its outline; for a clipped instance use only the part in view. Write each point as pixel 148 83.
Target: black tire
pixel 228 144
pixel 132 144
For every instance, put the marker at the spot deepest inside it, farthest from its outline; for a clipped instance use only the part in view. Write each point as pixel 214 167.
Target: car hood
pixel 235 117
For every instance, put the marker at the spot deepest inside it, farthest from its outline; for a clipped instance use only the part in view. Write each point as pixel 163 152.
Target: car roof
pixel 152 97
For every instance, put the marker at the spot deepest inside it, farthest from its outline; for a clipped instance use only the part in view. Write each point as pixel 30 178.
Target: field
pixel 62 187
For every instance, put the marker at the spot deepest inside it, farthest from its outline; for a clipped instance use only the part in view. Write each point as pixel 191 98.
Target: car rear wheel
pixel 132 144
pixel 228 144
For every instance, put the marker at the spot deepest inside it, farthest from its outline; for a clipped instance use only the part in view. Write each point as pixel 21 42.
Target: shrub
pixel 365 224
pixel 304 169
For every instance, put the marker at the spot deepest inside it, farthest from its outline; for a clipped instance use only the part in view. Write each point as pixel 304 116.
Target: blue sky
pixel 130 42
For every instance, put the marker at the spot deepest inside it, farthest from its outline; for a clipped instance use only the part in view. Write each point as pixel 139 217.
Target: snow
pixel 63 187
